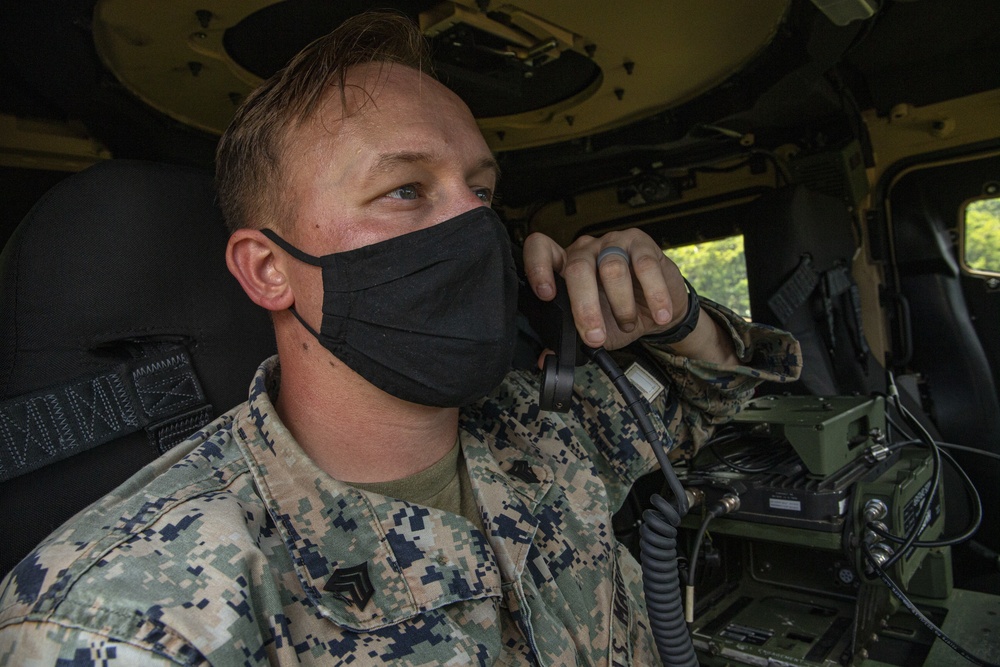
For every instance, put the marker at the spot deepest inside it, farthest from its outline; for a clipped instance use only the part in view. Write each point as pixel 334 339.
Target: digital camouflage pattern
pixel 235 549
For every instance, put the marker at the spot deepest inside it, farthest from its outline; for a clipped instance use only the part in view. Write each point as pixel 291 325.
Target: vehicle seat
pixel 121 332
pixel 799 246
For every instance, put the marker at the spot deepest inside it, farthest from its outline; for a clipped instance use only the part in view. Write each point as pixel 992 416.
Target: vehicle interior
pixel 829 167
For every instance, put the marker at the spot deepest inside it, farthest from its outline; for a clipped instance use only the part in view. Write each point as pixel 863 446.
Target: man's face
pixel 403 155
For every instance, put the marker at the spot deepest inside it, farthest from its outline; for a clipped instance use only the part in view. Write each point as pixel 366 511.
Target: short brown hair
pixel 247 160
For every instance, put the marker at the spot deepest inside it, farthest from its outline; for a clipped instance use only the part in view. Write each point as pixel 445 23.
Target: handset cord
pixel 658 536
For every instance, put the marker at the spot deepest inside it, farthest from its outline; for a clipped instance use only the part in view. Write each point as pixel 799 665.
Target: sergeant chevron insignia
pixel 352 585
pixel 523 471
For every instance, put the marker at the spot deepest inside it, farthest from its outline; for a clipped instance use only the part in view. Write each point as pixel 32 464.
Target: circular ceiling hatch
pixel 533 73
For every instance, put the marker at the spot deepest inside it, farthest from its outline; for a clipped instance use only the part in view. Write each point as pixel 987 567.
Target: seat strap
pixel 157 391
pixel 795 291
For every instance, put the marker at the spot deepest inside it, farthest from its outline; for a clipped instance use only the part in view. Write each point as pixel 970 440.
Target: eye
pixel 407 192
pixel 485 194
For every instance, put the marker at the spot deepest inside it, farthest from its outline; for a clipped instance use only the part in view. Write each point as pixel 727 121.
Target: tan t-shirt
pixel 444 486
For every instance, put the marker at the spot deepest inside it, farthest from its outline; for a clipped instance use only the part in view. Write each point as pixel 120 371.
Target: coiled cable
pixel 661 584
pixel 658 536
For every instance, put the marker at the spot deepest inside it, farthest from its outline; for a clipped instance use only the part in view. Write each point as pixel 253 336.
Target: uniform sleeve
pixel 45 644
pixel 706 394
pixel 699 395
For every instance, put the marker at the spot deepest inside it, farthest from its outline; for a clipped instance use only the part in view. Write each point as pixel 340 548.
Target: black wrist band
pixel 679 332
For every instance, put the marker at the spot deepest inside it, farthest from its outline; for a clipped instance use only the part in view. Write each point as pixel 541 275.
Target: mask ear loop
pixel 290 249
pixel 302 257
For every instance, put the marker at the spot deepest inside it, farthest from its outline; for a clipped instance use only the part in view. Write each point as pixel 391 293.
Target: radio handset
pixel 552 321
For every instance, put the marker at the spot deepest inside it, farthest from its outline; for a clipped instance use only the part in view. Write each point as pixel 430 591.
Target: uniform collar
pixel 367 561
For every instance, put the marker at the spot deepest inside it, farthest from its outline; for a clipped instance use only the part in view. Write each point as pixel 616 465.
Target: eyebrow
pixel 387 161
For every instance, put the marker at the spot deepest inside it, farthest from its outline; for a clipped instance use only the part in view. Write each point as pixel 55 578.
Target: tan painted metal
pixel 46 144
pixel 652 55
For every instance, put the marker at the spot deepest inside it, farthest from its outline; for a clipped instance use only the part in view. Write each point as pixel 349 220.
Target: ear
pixel 251 259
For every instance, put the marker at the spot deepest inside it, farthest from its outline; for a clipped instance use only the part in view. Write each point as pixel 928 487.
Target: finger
pixel 543 258
pixel 616 279
pixel 584 296
pixel 661 294
pixel 655 274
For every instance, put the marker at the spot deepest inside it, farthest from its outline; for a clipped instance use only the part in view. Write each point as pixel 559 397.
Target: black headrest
pixel 116 275
pixel 125 250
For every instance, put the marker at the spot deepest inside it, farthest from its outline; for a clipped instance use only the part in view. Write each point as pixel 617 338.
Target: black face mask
pixel 427 316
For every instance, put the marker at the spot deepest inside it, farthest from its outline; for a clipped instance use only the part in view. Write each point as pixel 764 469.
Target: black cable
pixel 947 445
pixel 696 549
pixel 722 436
pixel 879 569
pixel 637 406
pixel 738 468
pixel 921 517
pixel 924 512
pixel 977 512
pixel 970 450
pixel 727 435
pixel 717 509
pixel 661 584
pixel 973 492
pixel 895 425
pixel 658 535
pixel 774 459
pixel 912 608
pixel 781 172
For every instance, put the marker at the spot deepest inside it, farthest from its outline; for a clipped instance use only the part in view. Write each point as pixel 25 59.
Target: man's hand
pixel 620 300
pixel 616 302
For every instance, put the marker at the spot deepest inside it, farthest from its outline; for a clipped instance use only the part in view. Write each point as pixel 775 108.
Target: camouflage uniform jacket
pixel 235 549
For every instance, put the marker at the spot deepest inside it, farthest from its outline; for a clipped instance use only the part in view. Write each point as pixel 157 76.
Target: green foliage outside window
pixel 718 271
pixel 982 235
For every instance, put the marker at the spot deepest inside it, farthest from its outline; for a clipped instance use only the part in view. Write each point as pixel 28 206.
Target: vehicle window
pixel 717 269
pixel 982 235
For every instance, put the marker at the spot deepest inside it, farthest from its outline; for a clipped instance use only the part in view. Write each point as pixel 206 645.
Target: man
pixel 387 495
